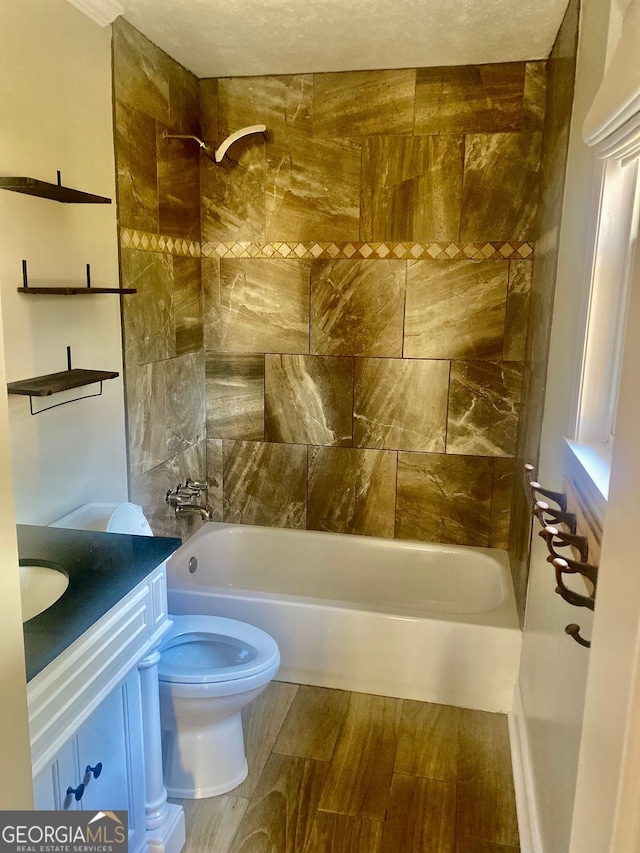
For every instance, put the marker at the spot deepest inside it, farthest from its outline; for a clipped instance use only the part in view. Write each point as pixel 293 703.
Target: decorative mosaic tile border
pixel 444 251
pixel 148 242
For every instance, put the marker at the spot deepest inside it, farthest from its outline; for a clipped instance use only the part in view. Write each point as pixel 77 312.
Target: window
pixel 612 128
pixel 616 235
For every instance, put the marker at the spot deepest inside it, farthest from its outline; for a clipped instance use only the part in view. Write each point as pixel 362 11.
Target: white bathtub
pixel 406 619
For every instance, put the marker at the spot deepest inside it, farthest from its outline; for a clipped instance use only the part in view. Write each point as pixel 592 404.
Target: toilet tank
pixel 110 517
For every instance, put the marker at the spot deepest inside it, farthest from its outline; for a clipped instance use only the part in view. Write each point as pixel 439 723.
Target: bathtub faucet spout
pixel 193 509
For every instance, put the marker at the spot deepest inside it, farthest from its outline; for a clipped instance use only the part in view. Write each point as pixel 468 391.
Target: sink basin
pixel 40 587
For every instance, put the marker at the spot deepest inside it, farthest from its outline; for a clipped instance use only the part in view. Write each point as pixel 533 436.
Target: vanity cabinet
pixel 94 721
pixel 101 767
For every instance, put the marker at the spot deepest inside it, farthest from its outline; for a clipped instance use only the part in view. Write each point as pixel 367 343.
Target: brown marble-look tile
pixel 280 102
pixel 232 195
pixel 140 76
pixel 519 546
pixel 470 98
pixel 212 331
pixel 357 307
pixel 444 498
pixel 351 490
pixel 135 145
pixel 214 477
pixel 517 313
pixel 455 309
pixel 149 490
pixel 308 399
pixel 265 484
pixel 401 404
pixel 411 187
pixel 148 315
pixel 361 768
pixel 185 402
pixel 500 191
pixel 264 305
pixel 184 107
pixel 146 417
pixel 312 726
pixel 312 187
pixel 187 304
pixel 501 501
pixel 281 811
pixel 235 396
pixel 484 406
pixel 535 95
pixel 421 817
pixel 486 801
pixel 208 98
pixel 178 186
pixel 428 741
pixel 362 103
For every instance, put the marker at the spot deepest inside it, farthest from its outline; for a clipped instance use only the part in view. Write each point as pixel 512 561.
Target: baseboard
pixel 526 804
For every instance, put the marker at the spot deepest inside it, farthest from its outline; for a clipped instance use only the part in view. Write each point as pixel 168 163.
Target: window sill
pixel 589 465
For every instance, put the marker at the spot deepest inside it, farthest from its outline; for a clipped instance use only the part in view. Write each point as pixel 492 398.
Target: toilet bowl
pixel 210 668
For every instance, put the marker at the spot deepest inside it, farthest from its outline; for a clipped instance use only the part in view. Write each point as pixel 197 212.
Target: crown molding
pixel 103 12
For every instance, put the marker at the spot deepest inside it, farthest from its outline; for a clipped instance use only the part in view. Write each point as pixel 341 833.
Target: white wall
pixel 15 766
pixel 55 103
pixel 554 668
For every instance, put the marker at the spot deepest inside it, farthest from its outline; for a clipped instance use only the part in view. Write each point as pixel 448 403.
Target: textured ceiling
pixel 219 38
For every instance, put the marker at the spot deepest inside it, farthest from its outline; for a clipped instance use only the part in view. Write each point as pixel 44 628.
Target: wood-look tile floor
pixel 338 772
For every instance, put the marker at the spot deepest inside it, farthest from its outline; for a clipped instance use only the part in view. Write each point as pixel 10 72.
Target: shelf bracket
pixel 66 402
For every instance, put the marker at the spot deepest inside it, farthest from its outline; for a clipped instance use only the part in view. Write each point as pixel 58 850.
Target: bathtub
pixel 416 621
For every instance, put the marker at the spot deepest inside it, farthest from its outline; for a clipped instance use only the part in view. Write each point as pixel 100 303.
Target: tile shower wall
pixel 561 74
pixel 366 276
pixel 159 196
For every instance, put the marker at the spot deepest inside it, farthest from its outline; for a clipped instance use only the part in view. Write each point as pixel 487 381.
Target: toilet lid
pixel 129 518
pixel 205 649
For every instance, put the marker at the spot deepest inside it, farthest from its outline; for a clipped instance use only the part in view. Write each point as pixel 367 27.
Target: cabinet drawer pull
pixel 97 770
pixel 78 792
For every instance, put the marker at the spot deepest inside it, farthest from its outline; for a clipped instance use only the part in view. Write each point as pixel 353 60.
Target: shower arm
pixel 220 153
pixel 167 136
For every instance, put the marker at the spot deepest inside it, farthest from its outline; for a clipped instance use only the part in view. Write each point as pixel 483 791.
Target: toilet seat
pixel 213 649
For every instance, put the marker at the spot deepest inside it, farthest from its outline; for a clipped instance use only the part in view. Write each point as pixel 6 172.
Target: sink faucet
pixel 193 509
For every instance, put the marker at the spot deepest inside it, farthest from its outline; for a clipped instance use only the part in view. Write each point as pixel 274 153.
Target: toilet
pixel 210 668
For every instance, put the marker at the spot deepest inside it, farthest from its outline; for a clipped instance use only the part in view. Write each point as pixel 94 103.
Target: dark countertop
pixel 102 568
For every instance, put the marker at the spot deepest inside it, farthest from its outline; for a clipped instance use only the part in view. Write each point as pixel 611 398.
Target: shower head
pixel 221 150
pixel 220 153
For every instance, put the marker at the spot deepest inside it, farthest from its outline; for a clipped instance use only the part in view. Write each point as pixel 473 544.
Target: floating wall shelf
pixel 73 291
pixel 55 192
pixel 54 383
pixel 68 291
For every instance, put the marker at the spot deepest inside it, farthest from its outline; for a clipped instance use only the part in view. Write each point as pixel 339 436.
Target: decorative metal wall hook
pixel 547 515
pixel 559 539
pixel 558 497
pixel 574 631
pixel 574 598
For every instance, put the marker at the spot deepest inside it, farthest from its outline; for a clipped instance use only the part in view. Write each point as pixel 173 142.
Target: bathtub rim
pixel 503 616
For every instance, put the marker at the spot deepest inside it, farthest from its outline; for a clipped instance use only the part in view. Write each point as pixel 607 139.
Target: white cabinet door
pixel 51 784
pixel 103 762
pixel 102 753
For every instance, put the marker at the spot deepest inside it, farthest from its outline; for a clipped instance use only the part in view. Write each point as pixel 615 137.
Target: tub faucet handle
pixel 197 485
pixel 175 499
